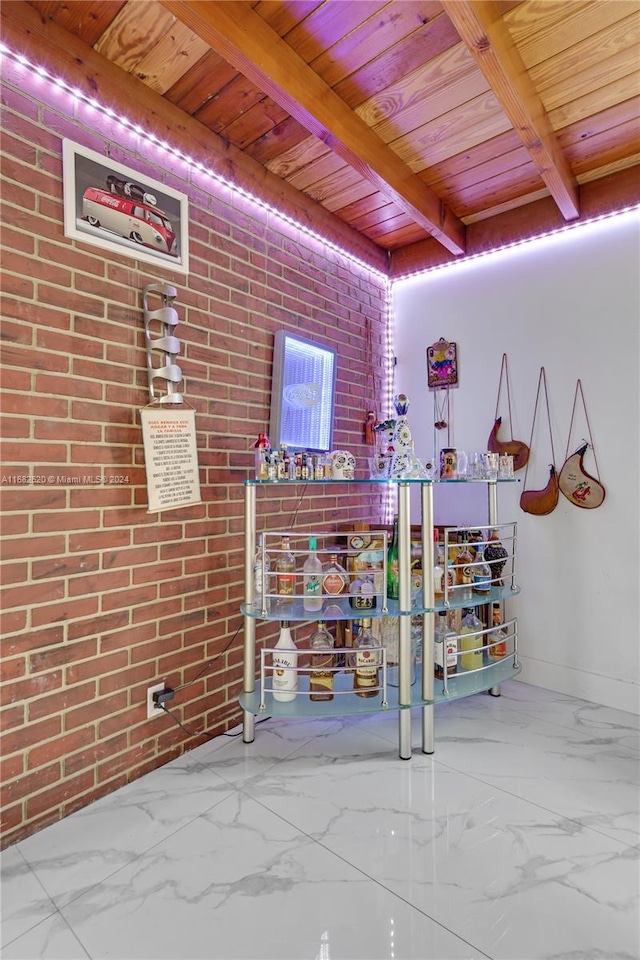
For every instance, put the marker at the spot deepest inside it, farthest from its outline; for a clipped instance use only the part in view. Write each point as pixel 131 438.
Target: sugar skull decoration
pixel 343 465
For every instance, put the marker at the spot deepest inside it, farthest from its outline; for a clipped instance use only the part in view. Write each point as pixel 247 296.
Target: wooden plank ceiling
pixel 420 124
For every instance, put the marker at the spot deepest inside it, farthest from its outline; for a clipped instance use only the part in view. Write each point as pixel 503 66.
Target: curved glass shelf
pixel 375 480
pixel 340 608
pixel 349 704
pixel 463 685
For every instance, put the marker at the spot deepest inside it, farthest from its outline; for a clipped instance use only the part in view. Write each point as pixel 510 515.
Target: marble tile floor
pixel 517 840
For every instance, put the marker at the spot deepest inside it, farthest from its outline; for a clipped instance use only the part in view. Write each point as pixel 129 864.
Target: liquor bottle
pixel 393 583
pixel 367 667
pixel 262 448
pixel 285 570
pixel 416 582
pixel 481 573
pixel 285 666
pixel 312 578
pixel 470 641
pixel 261 570
pixel 442 572
pixel 496 556
pixel 362 593
pixel 438 569
pixel 335 579
pixel 318 469
pixel 281 463
pixel 304 468
pixel 445 647
pixel 464 572
pixel 497 637
pixel 320 676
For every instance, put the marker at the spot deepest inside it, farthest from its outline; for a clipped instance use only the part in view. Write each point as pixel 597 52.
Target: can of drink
pixel 448 464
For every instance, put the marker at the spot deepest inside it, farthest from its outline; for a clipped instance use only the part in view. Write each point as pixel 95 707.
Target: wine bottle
pixel 445 647
pixel 335 579
pixel 497 638
pixel 470 642
pixel 367 667
pixel 285 666
pixel 393 582
pixel 464 572
pixel 312 578
pixel 320 675
pixel 261 569
pixel 285 570
pixel 481 573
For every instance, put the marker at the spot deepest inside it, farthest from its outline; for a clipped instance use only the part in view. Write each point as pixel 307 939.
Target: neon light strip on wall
pixel 190 162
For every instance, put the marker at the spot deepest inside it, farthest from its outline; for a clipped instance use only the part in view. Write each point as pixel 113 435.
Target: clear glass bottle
pixel 322 657
pixel 471 641
pixel 262 448
pixel 497 637
pixel 366 676
pixel 464 572
pixel 393 583
pixel 261 572
pixel 335 579
pixel 285 666
pixel 312 578
pixel 445 647
pixel 442 570
pixel 481 573
pixel 285 572
pixel 363 593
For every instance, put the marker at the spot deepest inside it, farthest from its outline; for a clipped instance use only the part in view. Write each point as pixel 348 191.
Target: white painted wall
pixel 572 305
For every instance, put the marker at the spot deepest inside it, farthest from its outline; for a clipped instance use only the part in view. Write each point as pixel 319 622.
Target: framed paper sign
pixel 115 208
pixel 442 364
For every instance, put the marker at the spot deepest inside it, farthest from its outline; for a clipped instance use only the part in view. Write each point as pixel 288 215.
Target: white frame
pixel 83 168
pixel 310 430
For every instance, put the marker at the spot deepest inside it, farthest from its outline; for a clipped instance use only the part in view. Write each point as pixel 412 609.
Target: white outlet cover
pixel 152 710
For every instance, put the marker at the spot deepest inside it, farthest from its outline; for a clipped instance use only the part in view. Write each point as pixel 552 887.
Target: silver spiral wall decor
pixel 163 348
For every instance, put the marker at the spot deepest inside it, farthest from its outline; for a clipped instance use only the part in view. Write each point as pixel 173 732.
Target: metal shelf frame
pixel 255 700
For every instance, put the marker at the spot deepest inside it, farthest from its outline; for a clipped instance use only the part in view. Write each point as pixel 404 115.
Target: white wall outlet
pixel 152 709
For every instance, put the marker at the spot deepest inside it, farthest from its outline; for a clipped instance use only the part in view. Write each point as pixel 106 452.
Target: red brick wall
pixel 100 598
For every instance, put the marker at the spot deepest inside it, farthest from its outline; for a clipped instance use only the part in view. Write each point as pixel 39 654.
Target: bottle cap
pixel 313 543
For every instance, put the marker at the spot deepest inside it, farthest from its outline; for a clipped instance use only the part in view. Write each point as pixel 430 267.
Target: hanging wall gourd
pixel 575 482
pixel 514 448
pixel 544 501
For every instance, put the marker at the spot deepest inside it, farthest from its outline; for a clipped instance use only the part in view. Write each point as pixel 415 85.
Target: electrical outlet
pixel 152 709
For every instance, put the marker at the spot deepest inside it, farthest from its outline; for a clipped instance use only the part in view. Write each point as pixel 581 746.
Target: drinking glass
pixel 475 466
pixel 505 469
pixel 463 465
pixel 491 464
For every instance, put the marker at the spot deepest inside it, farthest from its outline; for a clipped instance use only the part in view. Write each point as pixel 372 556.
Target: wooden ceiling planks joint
pixel 246 41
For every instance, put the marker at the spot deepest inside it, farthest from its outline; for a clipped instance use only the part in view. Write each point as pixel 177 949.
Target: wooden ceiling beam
pixel 68 57
pixel 484 32
pixel 598 198
pixel 243 38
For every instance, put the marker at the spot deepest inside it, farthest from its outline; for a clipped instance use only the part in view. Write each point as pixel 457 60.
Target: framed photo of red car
pixel 116 208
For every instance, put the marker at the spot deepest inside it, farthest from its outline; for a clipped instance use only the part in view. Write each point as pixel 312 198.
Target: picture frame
pixel 442 364
pixel 116 208
pixel 303 390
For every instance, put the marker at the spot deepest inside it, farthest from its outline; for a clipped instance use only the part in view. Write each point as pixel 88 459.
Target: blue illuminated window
pixel 302 393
